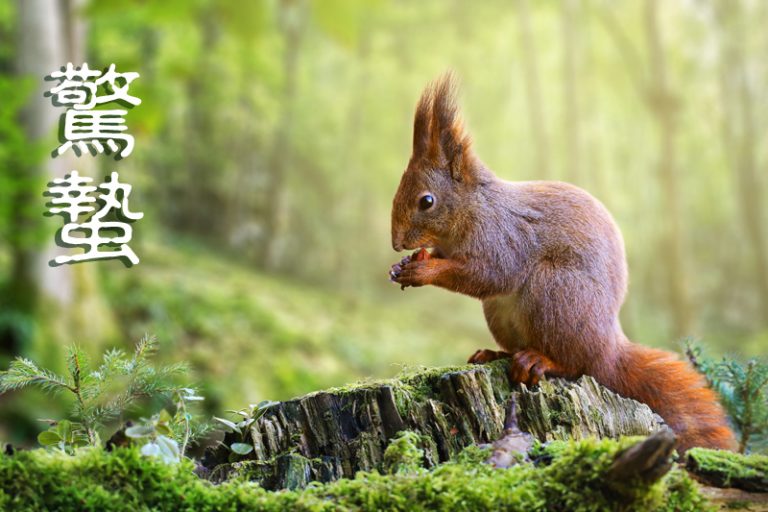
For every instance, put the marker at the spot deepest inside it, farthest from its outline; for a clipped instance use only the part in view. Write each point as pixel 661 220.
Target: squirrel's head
pixel 441 176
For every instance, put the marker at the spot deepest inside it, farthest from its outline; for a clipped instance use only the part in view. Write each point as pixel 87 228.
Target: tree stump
pixel 335 433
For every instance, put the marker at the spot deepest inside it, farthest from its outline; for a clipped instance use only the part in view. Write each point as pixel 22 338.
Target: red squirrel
pixel 547 261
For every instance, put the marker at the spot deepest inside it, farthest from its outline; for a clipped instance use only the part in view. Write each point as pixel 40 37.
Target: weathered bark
pixel 332 434
pixel 647 461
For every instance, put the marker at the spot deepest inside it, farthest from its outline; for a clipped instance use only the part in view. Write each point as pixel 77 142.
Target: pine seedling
pixel 101 395
pixel 743 388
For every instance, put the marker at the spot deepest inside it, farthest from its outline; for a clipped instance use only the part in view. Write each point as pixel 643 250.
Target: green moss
pixel 124 481
pixel 421 380
pixel 682 493
pixel 726 468
pixel 404 455
pixel 473 454
pixel 733 464
pixel 289 470
pixel 418 381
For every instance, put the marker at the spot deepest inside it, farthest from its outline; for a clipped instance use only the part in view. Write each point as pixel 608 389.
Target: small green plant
pixel 249 415
pixel 154 436
pixel 167 436
pixel 61 435
pixel 106 393
pixel 744 391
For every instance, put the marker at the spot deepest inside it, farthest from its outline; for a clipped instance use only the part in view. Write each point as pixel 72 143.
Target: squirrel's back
pixel 554 223
pixel 574 284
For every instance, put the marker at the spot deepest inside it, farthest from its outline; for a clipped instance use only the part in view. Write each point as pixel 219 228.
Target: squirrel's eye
pixel 426 202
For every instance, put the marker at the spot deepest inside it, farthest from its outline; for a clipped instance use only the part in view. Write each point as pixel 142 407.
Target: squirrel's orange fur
pixel 547 261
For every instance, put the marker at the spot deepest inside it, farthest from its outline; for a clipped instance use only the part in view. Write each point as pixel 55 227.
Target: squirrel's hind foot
pixel 529 366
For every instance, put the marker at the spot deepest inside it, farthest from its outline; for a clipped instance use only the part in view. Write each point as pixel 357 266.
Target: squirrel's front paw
pixel 405 271
pixel 413 273
pixel 529 366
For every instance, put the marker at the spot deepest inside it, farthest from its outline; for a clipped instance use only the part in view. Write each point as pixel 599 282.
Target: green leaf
pixel 245 423
pixel 64 429
pixel 262 407
pixel 150 450
pixel 169 449
pixel 164 429
pixel 139 431
pixel 164 417
pixel 189 395
pixel 80 438
pixel 229 424
pixel 266 404
pixel 48 438
pixel 241 448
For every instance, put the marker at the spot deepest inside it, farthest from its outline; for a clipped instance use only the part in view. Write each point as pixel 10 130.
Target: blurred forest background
pixel 271 139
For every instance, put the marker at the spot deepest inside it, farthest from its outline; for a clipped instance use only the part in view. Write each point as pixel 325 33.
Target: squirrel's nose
pixel 397 243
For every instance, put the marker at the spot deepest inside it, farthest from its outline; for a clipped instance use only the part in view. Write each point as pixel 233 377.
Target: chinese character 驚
pixel 85 126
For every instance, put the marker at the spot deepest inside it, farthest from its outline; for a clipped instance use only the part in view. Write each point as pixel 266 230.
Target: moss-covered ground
pixel 565 476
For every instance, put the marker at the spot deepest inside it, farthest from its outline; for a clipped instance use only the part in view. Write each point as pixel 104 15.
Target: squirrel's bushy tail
pixel 677 393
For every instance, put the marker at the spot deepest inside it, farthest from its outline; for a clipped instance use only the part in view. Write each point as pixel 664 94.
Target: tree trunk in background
pixel 50 35
pixel 594 174
pixel 740 139
pixel 292 13
pixel 197 187
pixel 663 104
pixel 40 51
pixel 529 61
pixel 571 23
pixel 350 210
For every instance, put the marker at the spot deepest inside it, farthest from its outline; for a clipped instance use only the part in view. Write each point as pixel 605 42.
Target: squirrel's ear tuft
pixel 439 135
pixel 421 122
